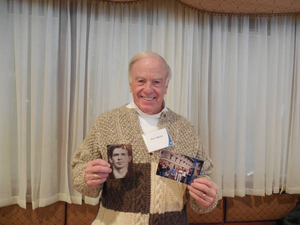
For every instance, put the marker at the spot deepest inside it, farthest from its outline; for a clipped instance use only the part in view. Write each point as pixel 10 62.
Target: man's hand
pixel 96 172
pixel 204 191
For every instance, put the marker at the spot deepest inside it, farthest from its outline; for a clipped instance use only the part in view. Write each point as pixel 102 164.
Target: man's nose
pixel 148 87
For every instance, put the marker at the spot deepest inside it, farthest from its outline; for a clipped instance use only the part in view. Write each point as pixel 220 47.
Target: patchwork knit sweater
pixel 145 198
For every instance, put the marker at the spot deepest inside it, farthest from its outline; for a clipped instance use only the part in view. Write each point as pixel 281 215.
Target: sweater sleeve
pixel 88 151
pixel 207 169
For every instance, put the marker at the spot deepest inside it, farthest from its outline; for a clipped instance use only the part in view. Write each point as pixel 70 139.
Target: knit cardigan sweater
pixel 146 198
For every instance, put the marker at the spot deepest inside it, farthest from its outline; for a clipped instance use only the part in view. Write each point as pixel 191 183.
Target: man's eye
pixel 140 81
pixel 157 82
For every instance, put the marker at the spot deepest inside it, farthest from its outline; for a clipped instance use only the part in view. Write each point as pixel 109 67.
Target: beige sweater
pixel 145 198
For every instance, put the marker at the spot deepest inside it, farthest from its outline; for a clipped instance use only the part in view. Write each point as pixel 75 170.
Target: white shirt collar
pixel 145 115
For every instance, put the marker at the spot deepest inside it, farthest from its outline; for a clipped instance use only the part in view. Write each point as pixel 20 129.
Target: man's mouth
pixel 148 99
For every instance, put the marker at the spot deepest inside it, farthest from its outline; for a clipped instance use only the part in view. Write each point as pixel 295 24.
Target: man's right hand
pixel 96 172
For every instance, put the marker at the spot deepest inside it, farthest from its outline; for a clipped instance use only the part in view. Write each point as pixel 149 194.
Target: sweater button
pixel 151 153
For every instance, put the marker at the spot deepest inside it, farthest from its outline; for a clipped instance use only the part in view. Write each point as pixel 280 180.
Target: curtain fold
pixel 292 178
pixel 63 63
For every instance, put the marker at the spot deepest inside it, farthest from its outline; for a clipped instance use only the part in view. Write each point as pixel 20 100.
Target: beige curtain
pixel 65 62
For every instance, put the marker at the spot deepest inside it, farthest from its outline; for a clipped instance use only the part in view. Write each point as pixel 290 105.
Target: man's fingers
pixel 204 202
pixel 210 194
pixel 92 180
pixel 202 186
pixel 96 176
pixel 99 162
pixel 96 172
pixel 204 183
pixel 97 166
pixel 207 182
pixel 98 169
pixel 94 183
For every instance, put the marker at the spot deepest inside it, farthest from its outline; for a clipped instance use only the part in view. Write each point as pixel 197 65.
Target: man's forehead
pixel 150 59
pixel 156 77
pixel 154 63
pixel 120 150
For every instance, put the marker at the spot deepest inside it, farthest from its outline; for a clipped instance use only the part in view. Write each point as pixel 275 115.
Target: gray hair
pixel 146 54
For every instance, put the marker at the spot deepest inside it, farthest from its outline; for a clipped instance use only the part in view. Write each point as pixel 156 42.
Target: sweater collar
pixel 145 115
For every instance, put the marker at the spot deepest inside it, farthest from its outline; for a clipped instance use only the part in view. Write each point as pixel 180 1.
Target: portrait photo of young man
pixel 120 159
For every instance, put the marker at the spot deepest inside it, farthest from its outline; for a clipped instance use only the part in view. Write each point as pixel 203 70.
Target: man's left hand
pixel 204 191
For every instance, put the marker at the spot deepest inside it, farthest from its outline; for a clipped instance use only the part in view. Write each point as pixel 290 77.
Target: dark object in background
pixel 293 217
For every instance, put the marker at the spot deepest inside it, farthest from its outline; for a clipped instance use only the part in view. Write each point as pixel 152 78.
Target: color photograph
pixel 177 167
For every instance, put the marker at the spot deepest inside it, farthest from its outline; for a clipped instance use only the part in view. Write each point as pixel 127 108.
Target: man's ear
pixel 130 157
pixel 130 86
pixel 109 160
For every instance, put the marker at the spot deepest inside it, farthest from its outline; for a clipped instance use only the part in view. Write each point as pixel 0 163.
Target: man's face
pixel 120 158
pixel 148 84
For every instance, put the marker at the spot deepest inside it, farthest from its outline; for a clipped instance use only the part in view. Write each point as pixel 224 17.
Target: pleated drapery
pixel 63 63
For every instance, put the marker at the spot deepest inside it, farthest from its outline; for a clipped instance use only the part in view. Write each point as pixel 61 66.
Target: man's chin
pixel 149 109
pixel 119 167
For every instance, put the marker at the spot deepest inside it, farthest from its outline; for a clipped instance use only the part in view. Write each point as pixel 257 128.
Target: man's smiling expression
pixel 148 84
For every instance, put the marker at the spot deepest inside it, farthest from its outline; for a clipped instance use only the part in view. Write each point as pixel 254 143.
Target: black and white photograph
pixel 177 167
pixel 120 159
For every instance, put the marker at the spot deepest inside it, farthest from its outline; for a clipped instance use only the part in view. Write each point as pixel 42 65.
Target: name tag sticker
pixel 157 140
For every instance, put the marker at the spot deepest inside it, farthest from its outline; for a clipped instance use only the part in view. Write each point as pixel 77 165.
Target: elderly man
pixel 144 198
